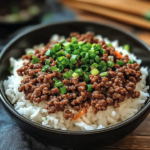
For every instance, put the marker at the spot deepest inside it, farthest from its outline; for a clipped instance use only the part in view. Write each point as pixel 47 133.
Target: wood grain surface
pixel 110 13
pixel 139 139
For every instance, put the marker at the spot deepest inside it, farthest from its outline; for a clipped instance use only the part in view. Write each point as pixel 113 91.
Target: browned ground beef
pixel 120 83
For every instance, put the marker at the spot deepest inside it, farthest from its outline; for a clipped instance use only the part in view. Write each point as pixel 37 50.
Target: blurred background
pixel 131 15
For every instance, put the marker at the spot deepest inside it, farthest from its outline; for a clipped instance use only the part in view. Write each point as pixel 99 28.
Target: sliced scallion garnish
pixel 63 90
pixel 94 71
pixel 126 47
pixel 109 45
pixel 47 62
pixel 104 74
pixel 120 62
pixel 89 87
pixel 131 62
pixel 79 71
pixel 44 69
pixel 75 75
pixel 110 64
pixel 35 60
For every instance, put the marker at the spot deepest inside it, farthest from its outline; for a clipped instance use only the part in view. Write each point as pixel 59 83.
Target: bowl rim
pixel 6 102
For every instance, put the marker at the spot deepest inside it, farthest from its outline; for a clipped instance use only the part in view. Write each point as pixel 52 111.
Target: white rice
pixel 88 121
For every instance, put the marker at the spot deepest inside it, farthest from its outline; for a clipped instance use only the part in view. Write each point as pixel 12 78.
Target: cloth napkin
pixel 11 136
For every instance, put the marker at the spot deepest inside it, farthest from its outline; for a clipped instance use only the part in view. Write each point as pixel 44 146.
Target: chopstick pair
pixel 95 7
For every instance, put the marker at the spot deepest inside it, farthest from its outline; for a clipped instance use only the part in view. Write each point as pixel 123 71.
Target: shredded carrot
pixel 80 114
pixel 118 55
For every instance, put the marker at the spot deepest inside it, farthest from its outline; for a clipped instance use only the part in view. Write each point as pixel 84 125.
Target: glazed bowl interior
pixel 42 33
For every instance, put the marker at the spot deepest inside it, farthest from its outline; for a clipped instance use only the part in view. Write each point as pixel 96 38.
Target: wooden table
pixel 139 139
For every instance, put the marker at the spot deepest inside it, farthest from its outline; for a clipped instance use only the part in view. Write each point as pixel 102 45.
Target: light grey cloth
pixel 11 136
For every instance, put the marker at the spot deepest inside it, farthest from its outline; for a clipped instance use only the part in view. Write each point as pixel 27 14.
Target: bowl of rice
pixel 76 84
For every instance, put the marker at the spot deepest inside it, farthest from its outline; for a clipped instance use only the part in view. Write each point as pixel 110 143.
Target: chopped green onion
pixel 81 43
pixel 30 53
pixel 67 52
pixel 87 57
pixel 86 77
pixel 36 75
pixel 110 64
pixel 91 61
pixel 97 59
pixel 79 71
pixel 57 47
pixel 69 47
pixel 102 66
pixel 102 51
pixel 94 71
pixel 73 59
pixel 91 51
pixel 97 52
pixel 131 62
pixel 82 54
pixel 75 46
pixel 120 62
pixel 89 87
pixel 76 52
pixel 53 56
pixel 65 61
pixel 72 66
pixel 58 84
pixel 47 62
pixel 63 41
pixel 75 75
pixel 60 53
pixel 68 74
pixel 92 56
pixel 104 74
pixel 54 68
pixel 63 90
pixel 48 53
pixel 85 68
pixel 60 58
pixel 111 58
pixel 95 65
pixel 55 79
pixel 35 60
pixel 126 47
pixel 44 69
pixel 66 43
pixel 96 47
pixel 88 45
pixel 74 40
pixel 83 61
pixel 109 45
pixel 61 67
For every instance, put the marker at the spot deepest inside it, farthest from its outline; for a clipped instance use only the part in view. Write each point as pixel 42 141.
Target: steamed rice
pixel 89 121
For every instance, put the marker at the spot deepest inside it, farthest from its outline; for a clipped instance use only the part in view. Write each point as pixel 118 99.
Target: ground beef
pixel 107 91
pixel 68 114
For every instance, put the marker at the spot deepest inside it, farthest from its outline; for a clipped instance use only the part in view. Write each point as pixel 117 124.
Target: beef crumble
pixel 107 91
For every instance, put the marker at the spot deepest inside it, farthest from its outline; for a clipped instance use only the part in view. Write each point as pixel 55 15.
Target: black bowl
pixel 72 139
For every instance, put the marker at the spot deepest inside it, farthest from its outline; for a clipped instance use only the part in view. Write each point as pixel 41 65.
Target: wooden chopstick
pixel 123 17
pixel 134 7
